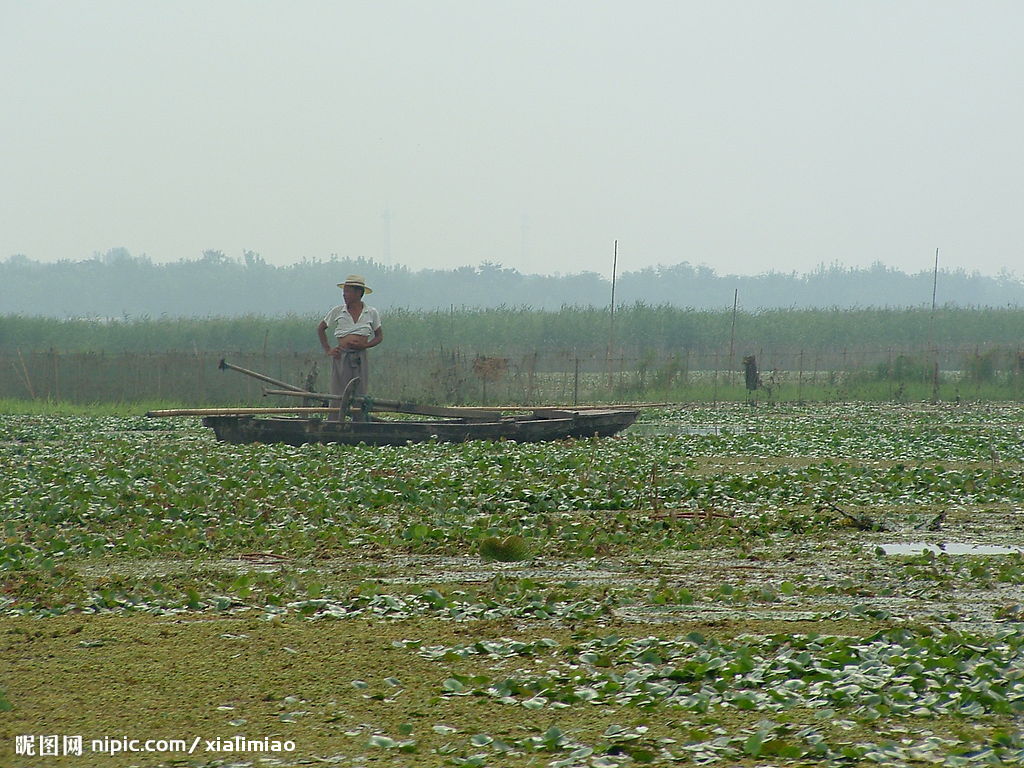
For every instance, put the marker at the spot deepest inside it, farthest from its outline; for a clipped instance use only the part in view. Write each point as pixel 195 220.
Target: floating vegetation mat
pixel 823 585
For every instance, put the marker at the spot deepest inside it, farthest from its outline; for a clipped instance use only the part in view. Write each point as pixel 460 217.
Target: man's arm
pixel 321 331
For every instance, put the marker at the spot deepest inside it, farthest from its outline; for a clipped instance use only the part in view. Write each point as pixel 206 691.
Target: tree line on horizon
pixel 118 284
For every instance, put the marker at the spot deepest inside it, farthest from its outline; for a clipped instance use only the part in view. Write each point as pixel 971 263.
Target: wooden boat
pixel 538 426
pixel 350 420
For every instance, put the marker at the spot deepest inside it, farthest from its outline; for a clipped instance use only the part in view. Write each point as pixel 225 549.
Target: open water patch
pixel 948 548
pixel 668 428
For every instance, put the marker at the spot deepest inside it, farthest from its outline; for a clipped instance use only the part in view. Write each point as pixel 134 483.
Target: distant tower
pixel 386 234
pixel 523 230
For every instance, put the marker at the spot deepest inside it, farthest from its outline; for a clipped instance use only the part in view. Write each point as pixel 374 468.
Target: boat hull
pixel 572 424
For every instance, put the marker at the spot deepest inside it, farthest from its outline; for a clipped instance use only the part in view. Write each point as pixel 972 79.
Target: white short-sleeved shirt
pixel 341 321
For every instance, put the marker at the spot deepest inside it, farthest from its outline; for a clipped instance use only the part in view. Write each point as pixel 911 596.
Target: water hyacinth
pixel 718 588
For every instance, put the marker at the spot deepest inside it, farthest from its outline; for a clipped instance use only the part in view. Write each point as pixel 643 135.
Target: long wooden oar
pixel 226 366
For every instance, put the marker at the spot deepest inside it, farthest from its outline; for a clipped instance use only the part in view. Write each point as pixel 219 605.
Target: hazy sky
pixel 748 136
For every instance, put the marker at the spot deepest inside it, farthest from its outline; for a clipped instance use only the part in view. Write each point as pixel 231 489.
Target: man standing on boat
pixel 356 328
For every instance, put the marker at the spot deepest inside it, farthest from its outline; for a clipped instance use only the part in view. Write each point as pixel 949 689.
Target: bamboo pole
pixel 300 410
pixel 732 335
pixel 592 407
pixel 611 314
pixel 393 406
pixel 304 411
pixel 931 332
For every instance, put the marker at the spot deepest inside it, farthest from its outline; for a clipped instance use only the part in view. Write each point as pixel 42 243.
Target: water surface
pixel 949 548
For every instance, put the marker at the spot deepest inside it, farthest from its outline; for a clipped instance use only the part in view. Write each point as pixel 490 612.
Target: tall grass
pixel 511 330
pixel 658 352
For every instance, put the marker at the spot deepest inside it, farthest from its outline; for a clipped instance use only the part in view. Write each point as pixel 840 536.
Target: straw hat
pixel 357 281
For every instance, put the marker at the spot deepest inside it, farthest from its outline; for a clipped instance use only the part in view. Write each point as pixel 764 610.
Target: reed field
pixel 724 584
pixel 519 356
pixel 637 328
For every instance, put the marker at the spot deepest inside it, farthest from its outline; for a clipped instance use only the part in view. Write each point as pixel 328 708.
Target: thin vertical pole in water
pixel 611 317
pixel 576 379
pixel 24 371
pixel 931 331
pixel 714 395
pixel 732 334
pixel 800 381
